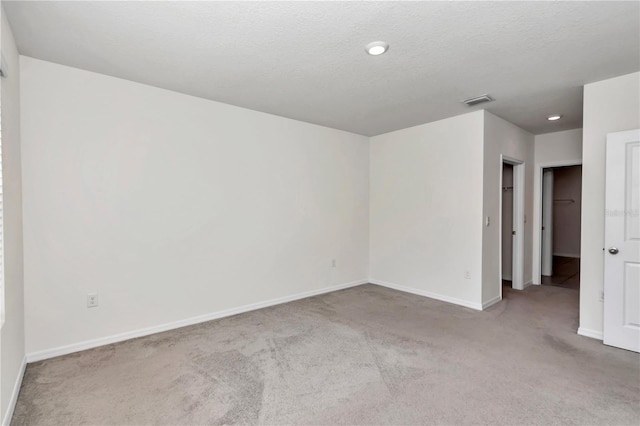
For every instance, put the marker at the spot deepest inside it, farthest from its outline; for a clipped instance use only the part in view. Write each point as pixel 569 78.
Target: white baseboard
pixel 590 333
pixel 574 255
pixel 441 297
pixel 94 343
pixel 14 394
pixel 491 302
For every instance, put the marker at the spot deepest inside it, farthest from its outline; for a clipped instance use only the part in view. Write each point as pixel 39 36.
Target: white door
pixel 517 271
pixel 547 223
pixel 622 241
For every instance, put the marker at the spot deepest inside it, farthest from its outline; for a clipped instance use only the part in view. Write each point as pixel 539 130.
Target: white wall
pixel 426 208
pixel 171 206
pixel 12 335
pixel 609 106
pixel 558 146
pixel 502 138
pixel 551 149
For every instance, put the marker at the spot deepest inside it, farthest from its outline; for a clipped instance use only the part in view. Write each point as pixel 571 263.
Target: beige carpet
pixel 366 355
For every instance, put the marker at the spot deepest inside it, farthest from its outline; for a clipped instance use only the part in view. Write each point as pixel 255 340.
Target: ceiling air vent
pixel 478 100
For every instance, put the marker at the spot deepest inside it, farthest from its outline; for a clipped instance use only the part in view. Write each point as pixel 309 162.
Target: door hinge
pixel 513 232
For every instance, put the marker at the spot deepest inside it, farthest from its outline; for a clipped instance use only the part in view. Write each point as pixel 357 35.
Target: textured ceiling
pixel 306 60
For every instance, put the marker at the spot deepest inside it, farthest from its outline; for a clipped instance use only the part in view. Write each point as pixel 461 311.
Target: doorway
pixel 507 225
pixel 560 231
pixel 512 224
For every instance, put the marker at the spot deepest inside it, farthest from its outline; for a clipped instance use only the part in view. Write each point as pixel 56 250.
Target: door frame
pixel 517 260
pixel 537 213
pixel 546 227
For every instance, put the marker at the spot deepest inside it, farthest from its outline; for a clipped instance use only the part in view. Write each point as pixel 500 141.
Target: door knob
pixel 613 250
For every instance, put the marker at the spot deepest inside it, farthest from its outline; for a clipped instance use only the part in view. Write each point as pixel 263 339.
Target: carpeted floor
pixel 366 355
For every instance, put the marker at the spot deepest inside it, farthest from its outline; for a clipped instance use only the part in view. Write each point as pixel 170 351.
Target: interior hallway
pixel 363 355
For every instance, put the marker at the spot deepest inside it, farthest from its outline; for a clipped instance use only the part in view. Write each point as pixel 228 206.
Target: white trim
pixel 94 343
pixel 3 74
pixel 436 296
pixel 590 333
pixel 491 302
pixel 14 394
pixel 525 285
pixel 574 255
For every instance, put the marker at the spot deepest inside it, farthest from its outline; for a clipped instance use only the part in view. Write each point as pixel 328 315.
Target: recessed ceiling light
pixel 554 117
pixel 376 48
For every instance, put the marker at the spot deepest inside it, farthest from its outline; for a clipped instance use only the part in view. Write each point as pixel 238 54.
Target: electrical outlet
pixel 333 263
pixel 467 275
pixel 92 300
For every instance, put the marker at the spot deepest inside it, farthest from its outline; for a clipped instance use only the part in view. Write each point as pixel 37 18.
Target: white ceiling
pixel 306 60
